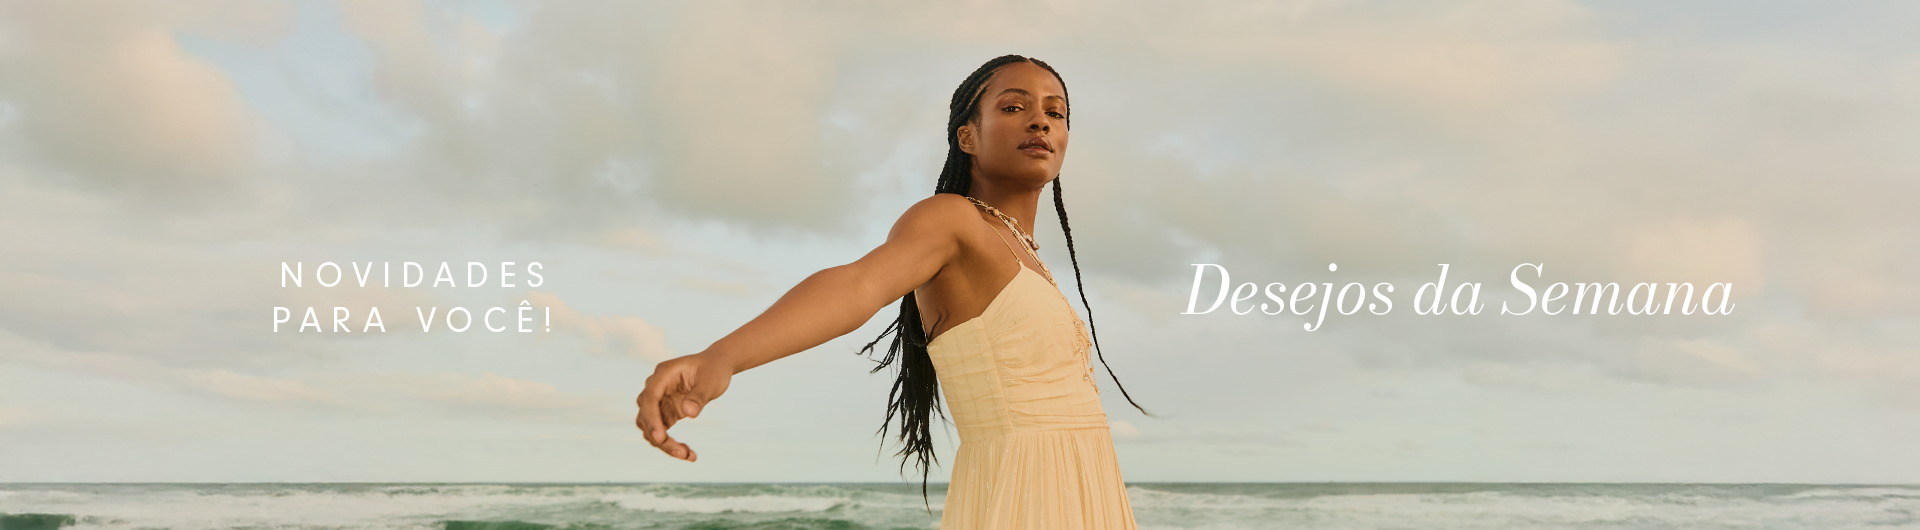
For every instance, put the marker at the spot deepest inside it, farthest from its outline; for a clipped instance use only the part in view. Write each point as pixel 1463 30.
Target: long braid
pixel 915 397
pixel 1060 209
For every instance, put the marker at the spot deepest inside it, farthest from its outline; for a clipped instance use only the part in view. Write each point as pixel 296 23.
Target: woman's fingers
pixel 653 425
pixel 669 413
pixel 648 420
pixel 676 449
pixel 680 402
pixel 677 390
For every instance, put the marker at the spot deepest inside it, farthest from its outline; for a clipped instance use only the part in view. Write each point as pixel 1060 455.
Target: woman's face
pixel 1022 132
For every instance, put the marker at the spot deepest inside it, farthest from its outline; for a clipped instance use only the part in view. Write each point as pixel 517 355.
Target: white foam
pixel 180 508
pixel 1859 492
pixel 1839 508
pixel 745 504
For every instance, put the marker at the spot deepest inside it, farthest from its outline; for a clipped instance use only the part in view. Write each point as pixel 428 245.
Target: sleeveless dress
pixel 1035 452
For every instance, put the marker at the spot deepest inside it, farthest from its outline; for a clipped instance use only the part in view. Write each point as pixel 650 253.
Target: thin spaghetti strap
pixel 1048 274
pixel 1003 241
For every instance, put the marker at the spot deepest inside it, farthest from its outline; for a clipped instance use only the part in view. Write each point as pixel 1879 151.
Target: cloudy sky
pixel 675 166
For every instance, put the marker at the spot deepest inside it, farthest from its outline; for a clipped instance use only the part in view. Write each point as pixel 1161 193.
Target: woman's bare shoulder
pixel 943 214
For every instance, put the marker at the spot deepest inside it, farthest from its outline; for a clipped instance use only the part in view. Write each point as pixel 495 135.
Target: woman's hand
pixel 680 388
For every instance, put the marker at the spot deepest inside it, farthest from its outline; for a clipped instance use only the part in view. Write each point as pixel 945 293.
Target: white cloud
pixel 607 335
pixel 14 415
pixel 104 93
pixel 255 388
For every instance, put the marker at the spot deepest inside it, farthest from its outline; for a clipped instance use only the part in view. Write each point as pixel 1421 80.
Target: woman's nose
pixel 1039 126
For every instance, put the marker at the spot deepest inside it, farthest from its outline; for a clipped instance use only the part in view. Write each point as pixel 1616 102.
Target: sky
pixel 674 167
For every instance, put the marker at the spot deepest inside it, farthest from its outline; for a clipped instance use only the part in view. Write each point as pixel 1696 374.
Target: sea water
pixel 886 506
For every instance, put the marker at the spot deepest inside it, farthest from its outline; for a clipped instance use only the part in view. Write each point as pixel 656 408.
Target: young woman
pixel 981 320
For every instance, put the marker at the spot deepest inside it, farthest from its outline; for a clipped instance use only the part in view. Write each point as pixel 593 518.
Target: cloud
pixel 490 389
pixel 92 275
pixel 102 92
pixel 11 416
pixel 608 335
pixel 1698 362
pixel 1728 250
pixel 487 395
pixel 1466 62
pixel 313 391
pixel 711 110
pixel 255 388
pixel 217 383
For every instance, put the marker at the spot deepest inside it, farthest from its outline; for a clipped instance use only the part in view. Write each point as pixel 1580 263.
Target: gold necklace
pixel 1014 224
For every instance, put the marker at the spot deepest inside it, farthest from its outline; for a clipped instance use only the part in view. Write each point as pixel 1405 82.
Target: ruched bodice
pixel 1035 452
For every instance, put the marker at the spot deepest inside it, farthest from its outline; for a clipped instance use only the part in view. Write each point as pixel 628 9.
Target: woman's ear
pixel 965 133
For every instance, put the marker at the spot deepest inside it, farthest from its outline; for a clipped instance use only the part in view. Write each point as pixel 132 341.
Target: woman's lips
pixel 1036 146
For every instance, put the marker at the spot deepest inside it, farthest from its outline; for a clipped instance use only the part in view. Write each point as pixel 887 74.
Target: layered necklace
pixel 1012 224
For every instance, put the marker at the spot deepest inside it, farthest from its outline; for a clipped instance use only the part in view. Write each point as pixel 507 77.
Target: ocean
pixel 1365 506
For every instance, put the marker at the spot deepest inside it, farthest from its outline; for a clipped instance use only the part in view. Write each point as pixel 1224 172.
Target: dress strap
pixel 1003 239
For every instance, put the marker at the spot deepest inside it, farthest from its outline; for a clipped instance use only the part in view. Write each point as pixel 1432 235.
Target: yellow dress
pixel 1035 452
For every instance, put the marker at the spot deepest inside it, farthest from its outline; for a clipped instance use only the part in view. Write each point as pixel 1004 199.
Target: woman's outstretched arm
pixel 828 304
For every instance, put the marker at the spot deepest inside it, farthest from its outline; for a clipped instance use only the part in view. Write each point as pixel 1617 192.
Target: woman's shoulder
pixel 943 213
pixel 944 203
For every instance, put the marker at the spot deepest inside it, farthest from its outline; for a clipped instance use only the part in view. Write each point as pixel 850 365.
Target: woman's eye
pixel 1056 115
pixel 1012 108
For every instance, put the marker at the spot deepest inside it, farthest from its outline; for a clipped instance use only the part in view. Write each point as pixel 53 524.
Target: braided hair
pixel 915 397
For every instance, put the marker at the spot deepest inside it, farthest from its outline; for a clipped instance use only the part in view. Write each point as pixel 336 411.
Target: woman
pixel 1007 349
